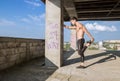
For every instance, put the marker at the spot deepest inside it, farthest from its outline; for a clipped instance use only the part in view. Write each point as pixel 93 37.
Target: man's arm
pixel 70 27
pixel 88 33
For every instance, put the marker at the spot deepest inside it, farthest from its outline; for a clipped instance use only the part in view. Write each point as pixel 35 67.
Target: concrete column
pixel 73 40
pixel 54 33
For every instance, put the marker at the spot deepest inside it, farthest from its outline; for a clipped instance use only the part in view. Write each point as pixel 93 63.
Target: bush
pixel 66 46
pixel 92 48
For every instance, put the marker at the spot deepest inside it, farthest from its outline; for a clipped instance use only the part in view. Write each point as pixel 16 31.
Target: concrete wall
pixel 54 33
pixel 16 50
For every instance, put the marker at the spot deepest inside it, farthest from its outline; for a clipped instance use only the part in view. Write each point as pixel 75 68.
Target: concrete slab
pixel 100 66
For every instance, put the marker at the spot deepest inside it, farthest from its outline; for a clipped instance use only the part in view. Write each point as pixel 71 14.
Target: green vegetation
pixel 66 46
pixel 107 46
pixel 92 48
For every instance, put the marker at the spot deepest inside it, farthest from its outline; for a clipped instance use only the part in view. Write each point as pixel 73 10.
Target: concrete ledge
pixel 17 50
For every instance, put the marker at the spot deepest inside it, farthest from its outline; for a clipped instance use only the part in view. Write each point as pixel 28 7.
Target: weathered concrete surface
pixel 54 33
pixel 16 50
pixel 31 71
pixel 101 66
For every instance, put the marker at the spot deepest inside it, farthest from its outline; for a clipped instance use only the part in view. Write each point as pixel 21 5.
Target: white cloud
pixel 32 3
pixel 4 22
pixel 37 18
pixel 32 19
pixel 97 27
pixel 25 20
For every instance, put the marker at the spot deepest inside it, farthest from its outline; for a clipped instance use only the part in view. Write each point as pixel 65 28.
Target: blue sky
pixel 26 19
pixel 100 30
pixel 22 18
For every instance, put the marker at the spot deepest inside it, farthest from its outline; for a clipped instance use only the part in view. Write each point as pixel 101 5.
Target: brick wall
pixel 16 50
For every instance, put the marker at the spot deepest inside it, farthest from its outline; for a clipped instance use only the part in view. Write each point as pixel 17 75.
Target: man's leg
pixel 81 51
pixel 85 47
pixel 80 44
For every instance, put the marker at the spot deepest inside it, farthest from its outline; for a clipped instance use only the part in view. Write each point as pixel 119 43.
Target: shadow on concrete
pixel 67 54
pixel 116 53
pixel 31 71
pixel 108 54
pixel 49 63
pixel 109 58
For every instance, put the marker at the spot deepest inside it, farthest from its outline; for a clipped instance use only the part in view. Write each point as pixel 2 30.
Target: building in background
pixel 112 44
pixel 101 46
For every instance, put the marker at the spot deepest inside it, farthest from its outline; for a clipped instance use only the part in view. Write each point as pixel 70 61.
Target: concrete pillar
pixel 73 40
pixel 54 33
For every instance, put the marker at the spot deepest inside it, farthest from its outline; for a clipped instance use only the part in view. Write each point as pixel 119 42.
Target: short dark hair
pixel 73 18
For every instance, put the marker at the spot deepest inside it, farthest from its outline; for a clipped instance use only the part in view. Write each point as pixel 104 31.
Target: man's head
pixel 73 20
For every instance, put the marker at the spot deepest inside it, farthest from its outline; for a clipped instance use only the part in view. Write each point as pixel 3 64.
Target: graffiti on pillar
pixel 52 42
pixel 73 39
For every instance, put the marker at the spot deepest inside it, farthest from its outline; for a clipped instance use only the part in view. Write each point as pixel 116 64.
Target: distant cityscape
pixel 101 45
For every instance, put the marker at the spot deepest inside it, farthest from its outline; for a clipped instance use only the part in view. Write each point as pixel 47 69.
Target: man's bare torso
pixel 80 32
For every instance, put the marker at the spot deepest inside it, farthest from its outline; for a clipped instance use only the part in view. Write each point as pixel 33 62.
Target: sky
pixel 100 30
pixel 26 19
pixel 22 18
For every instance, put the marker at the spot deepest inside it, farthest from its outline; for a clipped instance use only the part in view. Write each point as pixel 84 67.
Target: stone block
pixel 38 48
pixel 21 50
pixel 9 51
pixel 17 44
pixel 10 45
pixel 32 49
pixel 23 55
pixel 35 44
pixel 30 44
pixel 3 52
pixel 23 45
pixel 1 46
pixel 16 50
pixel 2 60
pixel 4 45
pixel 13 57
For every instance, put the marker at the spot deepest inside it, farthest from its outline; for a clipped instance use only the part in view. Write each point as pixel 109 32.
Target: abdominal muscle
pixel 80 34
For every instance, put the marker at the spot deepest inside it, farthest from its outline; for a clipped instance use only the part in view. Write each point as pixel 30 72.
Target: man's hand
pixel 90 41
pixel 66 26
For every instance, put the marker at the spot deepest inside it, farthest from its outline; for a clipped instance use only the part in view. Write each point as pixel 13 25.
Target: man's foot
pixel 88 44
pixel 81 65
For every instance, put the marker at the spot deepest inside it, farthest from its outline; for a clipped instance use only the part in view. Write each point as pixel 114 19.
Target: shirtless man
pixel 80 31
